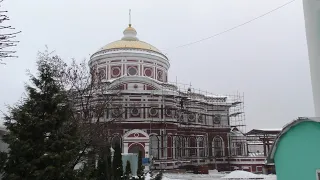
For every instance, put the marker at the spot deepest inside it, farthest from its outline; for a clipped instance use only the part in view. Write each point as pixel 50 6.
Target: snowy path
pixel 187 176
pixel 169 176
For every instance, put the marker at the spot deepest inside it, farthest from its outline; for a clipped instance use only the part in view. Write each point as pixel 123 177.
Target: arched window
pixel 178 145
pixel 116 140
pixel 192 147
pixel 170 146
pixel 154 146
pixel 184 146
pixel 217 147
pixel 238 149
pixel 201 147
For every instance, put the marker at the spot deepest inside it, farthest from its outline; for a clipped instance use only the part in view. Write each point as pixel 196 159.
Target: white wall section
pixel 312 24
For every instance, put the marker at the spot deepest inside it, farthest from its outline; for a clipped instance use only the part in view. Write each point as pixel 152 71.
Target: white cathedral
pixel 173 126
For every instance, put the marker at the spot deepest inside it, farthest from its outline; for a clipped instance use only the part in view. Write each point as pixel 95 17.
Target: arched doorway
pixel 116 139
pixel 154 146
pixel 135 148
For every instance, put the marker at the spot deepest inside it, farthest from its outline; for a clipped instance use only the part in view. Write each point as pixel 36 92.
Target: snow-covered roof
pixel 264 131
pixel 285 129
pixel 237 133
pixel 256 154
pixel 276 129
pixel 255 143
pixel 216 96
pixel 113 79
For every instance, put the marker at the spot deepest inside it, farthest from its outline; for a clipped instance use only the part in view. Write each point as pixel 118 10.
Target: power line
pixel 235 27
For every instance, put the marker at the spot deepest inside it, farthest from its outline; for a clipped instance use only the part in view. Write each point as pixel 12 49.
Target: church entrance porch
pixel 136 140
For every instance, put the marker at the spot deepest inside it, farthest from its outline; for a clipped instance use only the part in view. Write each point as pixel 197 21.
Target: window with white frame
pixel 154 146
pixel 217 146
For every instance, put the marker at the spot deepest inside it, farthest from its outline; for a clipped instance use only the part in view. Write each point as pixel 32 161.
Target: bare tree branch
pixel 87 90
pixel 5 38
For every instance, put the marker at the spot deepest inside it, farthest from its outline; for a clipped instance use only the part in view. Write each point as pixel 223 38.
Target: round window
pixel 148 72
pixel 153 111
pixel 135 111
pixel 216 118
pixel 191 117
pixel 160 75
pixel 116 112
pixel 177 115
pixel 102 73
pixel 132 71
pixel 200 118
pixel 181 117
pixel 115 71
pixel 168 112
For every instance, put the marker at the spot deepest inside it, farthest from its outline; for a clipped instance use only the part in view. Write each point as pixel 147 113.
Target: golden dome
pixel 129 29
pixel 122 44
pixel 130 40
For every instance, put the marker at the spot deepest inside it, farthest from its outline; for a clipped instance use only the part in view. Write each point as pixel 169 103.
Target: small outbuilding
pixel 296 150
pixel 242 175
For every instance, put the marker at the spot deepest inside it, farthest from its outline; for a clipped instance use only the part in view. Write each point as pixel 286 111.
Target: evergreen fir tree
pixel 101 169
pixel 117 163
pixel 3 159
pixel 128 172
pixel 88 170
pixel 43 137
pixel 140 170
pixel 104 170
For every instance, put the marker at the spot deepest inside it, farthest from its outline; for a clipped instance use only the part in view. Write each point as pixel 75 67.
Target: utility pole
pixel 312 25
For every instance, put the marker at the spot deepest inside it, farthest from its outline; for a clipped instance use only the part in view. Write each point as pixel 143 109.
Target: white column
pixel 146 150
pixel 312 24
pixel 123 70
pixel 212 148
pixel 198 152
pixel 165 149
pixel 146 154
pixel 223 148
pixel 125 148
pixel 173 147
pixel 206 146
pixel 186 152
pixel 161 147
pixel 108 72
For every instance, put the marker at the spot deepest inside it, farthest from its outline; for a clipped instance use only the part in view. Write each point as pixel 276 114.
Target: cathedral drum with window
pixel 172 126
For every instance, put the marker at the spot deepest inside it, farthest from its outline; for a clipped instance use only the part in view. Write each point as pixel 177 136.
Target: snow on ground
pixel 147 176
pixel 189 176
pixel 243 175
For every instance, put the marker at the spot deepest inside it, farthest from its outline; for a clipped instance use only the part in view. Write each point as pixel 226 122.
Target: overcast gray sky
pixel 266 60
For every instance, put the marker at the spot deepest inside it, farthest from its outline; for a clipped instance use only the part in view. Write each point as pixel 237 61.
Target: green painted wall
pixel 298 153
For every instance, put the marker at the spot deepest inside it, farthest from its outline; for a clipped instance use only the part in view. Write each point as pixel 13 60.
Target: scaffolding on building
pixel 191 111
